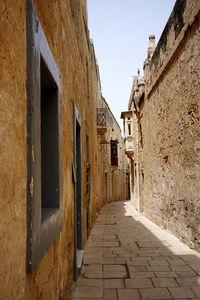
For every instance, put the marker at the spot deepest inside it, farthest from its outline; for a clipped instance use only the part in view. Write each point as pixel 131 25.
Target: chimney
pixel 152 46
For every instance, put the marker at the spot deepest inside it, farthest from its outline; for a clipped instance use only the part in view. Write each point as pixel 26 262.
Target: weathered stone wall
pixel 117 186
pixel 12 149
pixel 65 27
pixel 170 127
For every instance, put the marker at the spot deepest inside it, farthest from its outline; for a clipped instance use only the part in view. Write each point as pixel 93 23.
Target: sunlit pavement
pixel 128 257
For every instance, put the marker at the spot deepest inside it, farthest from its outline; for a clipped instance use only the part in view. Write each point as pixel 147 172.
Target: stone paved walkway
pixel 128 257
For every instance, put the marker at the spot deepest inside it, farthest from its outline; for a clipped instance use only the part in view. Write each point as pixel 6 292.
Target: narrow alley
pixel 128 257
pixel 86 172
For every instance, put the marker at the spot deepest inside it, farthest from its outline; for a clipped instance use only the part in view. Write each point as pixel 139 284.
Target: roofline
pixel 111 112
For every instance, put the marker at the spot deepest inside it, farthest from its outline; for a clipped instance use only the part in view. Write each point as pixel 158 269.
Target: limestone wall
pixel 170 123
pixel 65 26
pixel 115 178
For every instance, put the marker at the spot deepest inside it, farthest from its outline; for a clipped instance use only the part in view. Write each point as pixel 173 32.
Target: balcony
pixel 127 116
pixel 129 146
pixel 101 121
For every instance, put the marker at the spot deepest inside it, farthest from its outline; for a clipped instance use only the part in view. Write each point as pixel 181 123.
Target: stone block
pixel 110 294
pixel 141 274
pixel 189 281
pixel 181 292
pixel 155 293
pixel 88 292
pixel 166 274
pixel 128 294
pixel 113 283
pixel 164 282
pixel 138 283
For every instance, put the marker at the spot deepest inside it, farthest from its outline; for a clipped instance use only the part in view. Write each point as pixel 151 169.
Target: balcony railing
pixel 129 146
pixel 101 117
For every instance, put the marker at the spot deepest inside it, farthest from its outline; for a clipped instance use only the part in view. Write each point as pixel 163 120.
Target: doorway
pixel 77 167
pixel 88 184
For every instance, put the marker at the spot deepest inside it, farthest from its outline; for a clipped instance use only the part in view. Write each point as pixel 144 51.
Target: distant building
pixel 115 165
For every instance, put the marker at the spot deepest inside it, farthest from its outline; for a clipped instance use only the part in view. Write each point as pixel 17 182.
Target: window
pixel 43 95
pixel 114 153
pixel 129 129
pixel 49 142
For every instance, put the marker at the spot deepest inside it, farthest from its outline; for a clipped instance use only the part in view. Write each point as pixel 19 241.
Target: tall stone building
pixel 164 110
pixel 50 157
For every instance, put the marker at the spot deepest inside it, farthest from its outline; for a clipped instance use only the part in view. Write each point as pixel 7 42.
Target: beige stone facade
pixel 46 54
pixel 166 165
pixel 115 174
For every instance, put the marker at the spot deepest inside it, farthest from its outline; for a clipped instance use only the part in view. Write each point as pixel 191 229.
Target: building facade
pixel 165 116
pixel 115 173
pixel 50 156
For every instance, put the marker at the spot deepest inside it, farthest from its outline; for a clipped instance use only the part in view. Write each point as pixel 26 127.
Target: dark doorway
pixel 88 183
pixel 106 187
pixel 78 255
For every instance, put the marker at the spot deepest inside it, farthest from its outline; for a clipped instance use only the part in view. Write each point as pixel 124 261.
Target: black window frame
pixel 40 233
pixel 114 153
pixel 129 129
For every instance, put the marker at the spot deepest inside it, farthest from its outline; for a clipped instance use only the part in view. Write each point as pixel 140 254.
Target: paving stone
pixel 147 253
pixel 141 274
pixel 140 263
pixel 181 292
pixel 166 274
pixel 186 273
pixel 110 294
pixel 111 244
pixel 113 283
pixel 158 262
pixel 122 261
pixel 136 268
pixel 128 294
pixel 189 281
pixel 176 262
pixel 116 268
pixel 196 290
pixel 148 244
pixel 114 271
pixel 155 293
pixel 88 292
pixel 138 283
pixel 180 268
pixel 164 282
pixel 145 258
pixel 158 268
pixel 93 259
pixel 95 275
pixel 90 282
pixel 87 298
pixel 124 255
pixel 93 268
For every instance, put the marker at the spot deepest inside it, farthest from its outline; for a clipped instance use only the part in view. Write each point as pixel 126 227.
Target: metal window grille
pixel 101 116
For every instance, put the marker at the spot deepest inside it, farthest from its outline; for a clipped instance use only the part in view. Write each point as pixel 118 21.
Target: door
pixel 78 253
pixel 88 183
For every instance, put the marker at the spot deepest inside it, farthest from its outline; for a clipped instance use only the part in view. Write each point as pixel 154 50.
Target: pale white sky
pixel 120 30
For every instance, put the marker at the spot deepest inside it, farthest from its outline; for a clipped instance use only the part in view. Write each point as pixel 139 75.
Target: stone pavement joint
pixel 128 257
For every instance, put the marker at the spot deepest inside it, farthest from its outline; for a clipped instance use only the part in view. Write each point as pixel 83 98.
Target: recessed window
pixel 114 153
pixel 49 142
pixel 44 216
pixel 129 129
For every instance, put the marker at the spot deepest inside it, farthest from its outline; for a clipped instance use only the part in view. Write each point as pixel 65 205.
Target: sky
pixel 120 31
